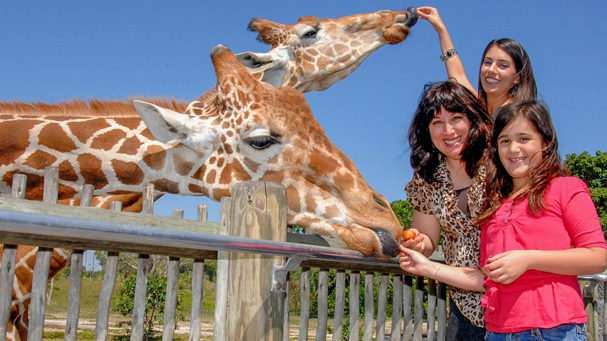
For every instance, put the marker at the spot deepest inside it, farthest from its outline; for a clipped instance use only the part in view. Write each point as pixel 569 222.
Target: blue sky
pixel 59 50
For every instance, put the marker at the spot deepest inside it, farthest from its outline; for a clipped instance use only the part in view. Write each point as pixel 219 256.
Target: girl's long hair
pixel 454 98
pixel 499 183
pixel 525 89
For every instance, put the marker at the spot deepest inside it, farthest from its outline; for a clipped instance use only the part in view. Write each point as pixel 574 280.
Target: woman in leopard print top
pixel 448 137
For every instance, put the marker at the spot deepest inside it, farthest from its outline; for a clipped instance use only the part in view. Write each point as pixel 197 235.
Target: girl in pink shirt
pixel 539 231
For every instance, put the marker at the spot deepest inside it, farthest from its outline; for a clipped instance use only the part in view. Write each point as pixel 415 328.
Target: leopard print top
pixel 461 238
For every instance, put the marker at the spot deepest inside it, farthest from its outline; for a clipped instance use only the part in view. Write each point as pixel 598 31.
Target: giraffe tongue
pixel 389 245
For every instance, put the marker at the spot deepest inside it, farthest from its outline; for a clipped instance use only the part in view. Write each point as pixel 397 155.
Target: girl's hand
pixel 414 262
pixel 507 267
pixel 431 15
pixel 416 243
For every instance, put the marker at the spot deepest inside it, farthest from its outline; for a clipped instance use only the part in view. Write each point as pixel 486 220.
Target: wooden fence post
pixel 258 211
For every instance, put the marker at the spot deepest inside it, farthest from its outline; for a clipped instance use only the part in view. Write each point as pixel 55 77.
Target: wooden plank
pixel 42 265
pixel 223 258
pixel 73 301
pixel 441 293
pixel 397 307
pixel 7 267
pixel 431 317
pixel 340 304
pixel 369 306
pixel 304 296
pixel 76 266
pixel 93 213
pixel 7 275
pixel 323 304
pixel 170 305
pixel 139 302
pixel 354 305
pixel 259 211
pixel 143 271
pixel 170 298
pixel 197 285
pixel 382 306
pixel 107 288
pixel 408 308
pixel 418 321
pixel 105 296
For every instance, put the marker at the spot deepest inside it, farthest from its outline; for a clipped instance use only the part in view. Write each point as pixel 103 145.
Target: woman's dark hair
pixel 525 89
pixel 455 98
pixel 499 183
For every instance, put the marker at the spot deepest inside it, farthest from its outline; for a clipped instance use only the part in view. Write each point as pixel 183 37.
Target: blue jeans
pixel 570 331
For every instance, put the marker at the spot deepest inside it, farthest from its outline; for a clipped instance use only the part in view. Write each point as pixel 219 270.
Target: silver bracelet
pixel 448 54
pixel 435 272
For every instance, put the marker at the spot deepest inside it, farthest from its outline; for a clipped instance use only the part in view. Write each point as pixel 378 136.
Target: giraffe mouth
pixel 389 245
pixel 411 17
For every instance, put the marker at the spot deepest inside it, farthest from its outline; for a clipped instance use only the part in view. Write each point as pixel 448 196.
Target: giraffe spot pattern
pixel 90 168
pixel 67 171
pixel 129 173
pixel 40 159
pixel 14 139
pixel 155 157
pixel 166 185
pixel 182 166
pixel 108 140
pixel 83 130
pixel 130 146
pixel 54 137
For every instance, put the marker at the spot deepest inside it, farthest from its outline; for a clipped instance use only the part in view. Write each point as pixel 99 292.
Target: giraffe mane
pixel 90 107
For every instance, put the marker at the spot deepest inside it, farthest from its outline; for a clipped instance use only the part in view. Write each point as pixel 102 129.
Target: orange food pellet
pixel 408 234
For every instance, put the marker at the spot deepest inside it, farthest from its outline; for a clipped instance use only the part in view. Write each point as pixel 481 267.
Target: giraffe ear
pixel 270 66
pixel 166 125
pixel 171 127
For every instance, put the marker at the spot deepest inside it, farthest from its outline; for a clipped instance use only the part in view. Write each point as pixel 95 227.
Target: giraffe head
pixel 314 53
pixel 253 131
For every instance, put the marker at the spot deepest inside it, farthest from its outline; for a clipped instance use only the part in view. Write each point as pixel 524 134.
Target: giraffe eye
pixel 260 142
pixel 310 34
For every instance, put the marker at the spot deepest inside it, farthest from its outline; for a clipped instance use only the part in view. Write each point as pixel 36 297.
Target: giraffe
pixel 249 131
pixel 311 55
pixel 304 56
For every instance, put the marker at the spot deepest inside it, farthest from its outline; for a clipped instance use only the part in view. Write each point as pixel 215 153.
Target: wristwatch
pixel 448 54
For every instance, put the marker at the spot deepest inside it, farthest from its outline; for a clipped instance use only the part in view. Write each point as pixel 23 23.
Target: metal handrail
pixel 52 230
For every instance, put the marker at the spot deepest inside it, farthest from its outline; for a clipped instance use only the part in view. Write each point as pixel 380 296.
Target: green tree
pixel 593 171
pixel 154 309
pixel 403 211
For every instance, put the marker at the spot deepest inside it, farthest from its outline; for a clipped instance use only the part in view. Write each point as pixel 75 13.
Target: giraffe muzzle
pixel 411 17
pixel 388 243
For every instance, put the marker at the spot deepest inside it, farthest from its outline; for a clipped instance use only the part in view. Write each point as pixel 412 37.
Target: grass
pixel 91 286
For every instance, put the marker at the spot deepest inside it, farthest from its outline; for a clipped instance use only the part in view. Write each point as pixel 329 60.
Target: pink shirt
pixel 540 299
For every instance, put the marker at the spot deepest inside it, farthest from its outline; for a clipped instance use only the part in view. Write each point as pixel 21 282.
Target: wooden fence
pixel 254 253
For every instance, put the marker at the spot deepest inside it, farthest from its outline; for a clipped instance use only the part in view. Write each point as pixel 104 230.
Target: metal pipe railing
pixel 57 231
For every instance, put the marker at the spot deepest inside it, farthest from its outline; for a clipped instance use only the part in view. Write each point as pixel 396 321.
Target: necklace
pixel 510 211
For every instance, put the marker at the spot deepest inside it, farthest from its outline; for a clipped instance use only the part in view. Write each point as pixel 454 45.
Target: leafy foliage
pixel 403 211
pixel 123 301
pixel 593 171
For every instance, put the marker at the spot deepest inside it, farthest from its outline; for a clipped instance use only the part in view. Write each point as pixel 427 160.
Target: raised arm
pixel 455 68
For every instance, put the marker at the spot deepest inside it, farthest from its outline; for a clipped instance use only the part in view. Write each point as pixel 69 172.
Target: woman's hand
pixel 416 243
pixel 508 266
